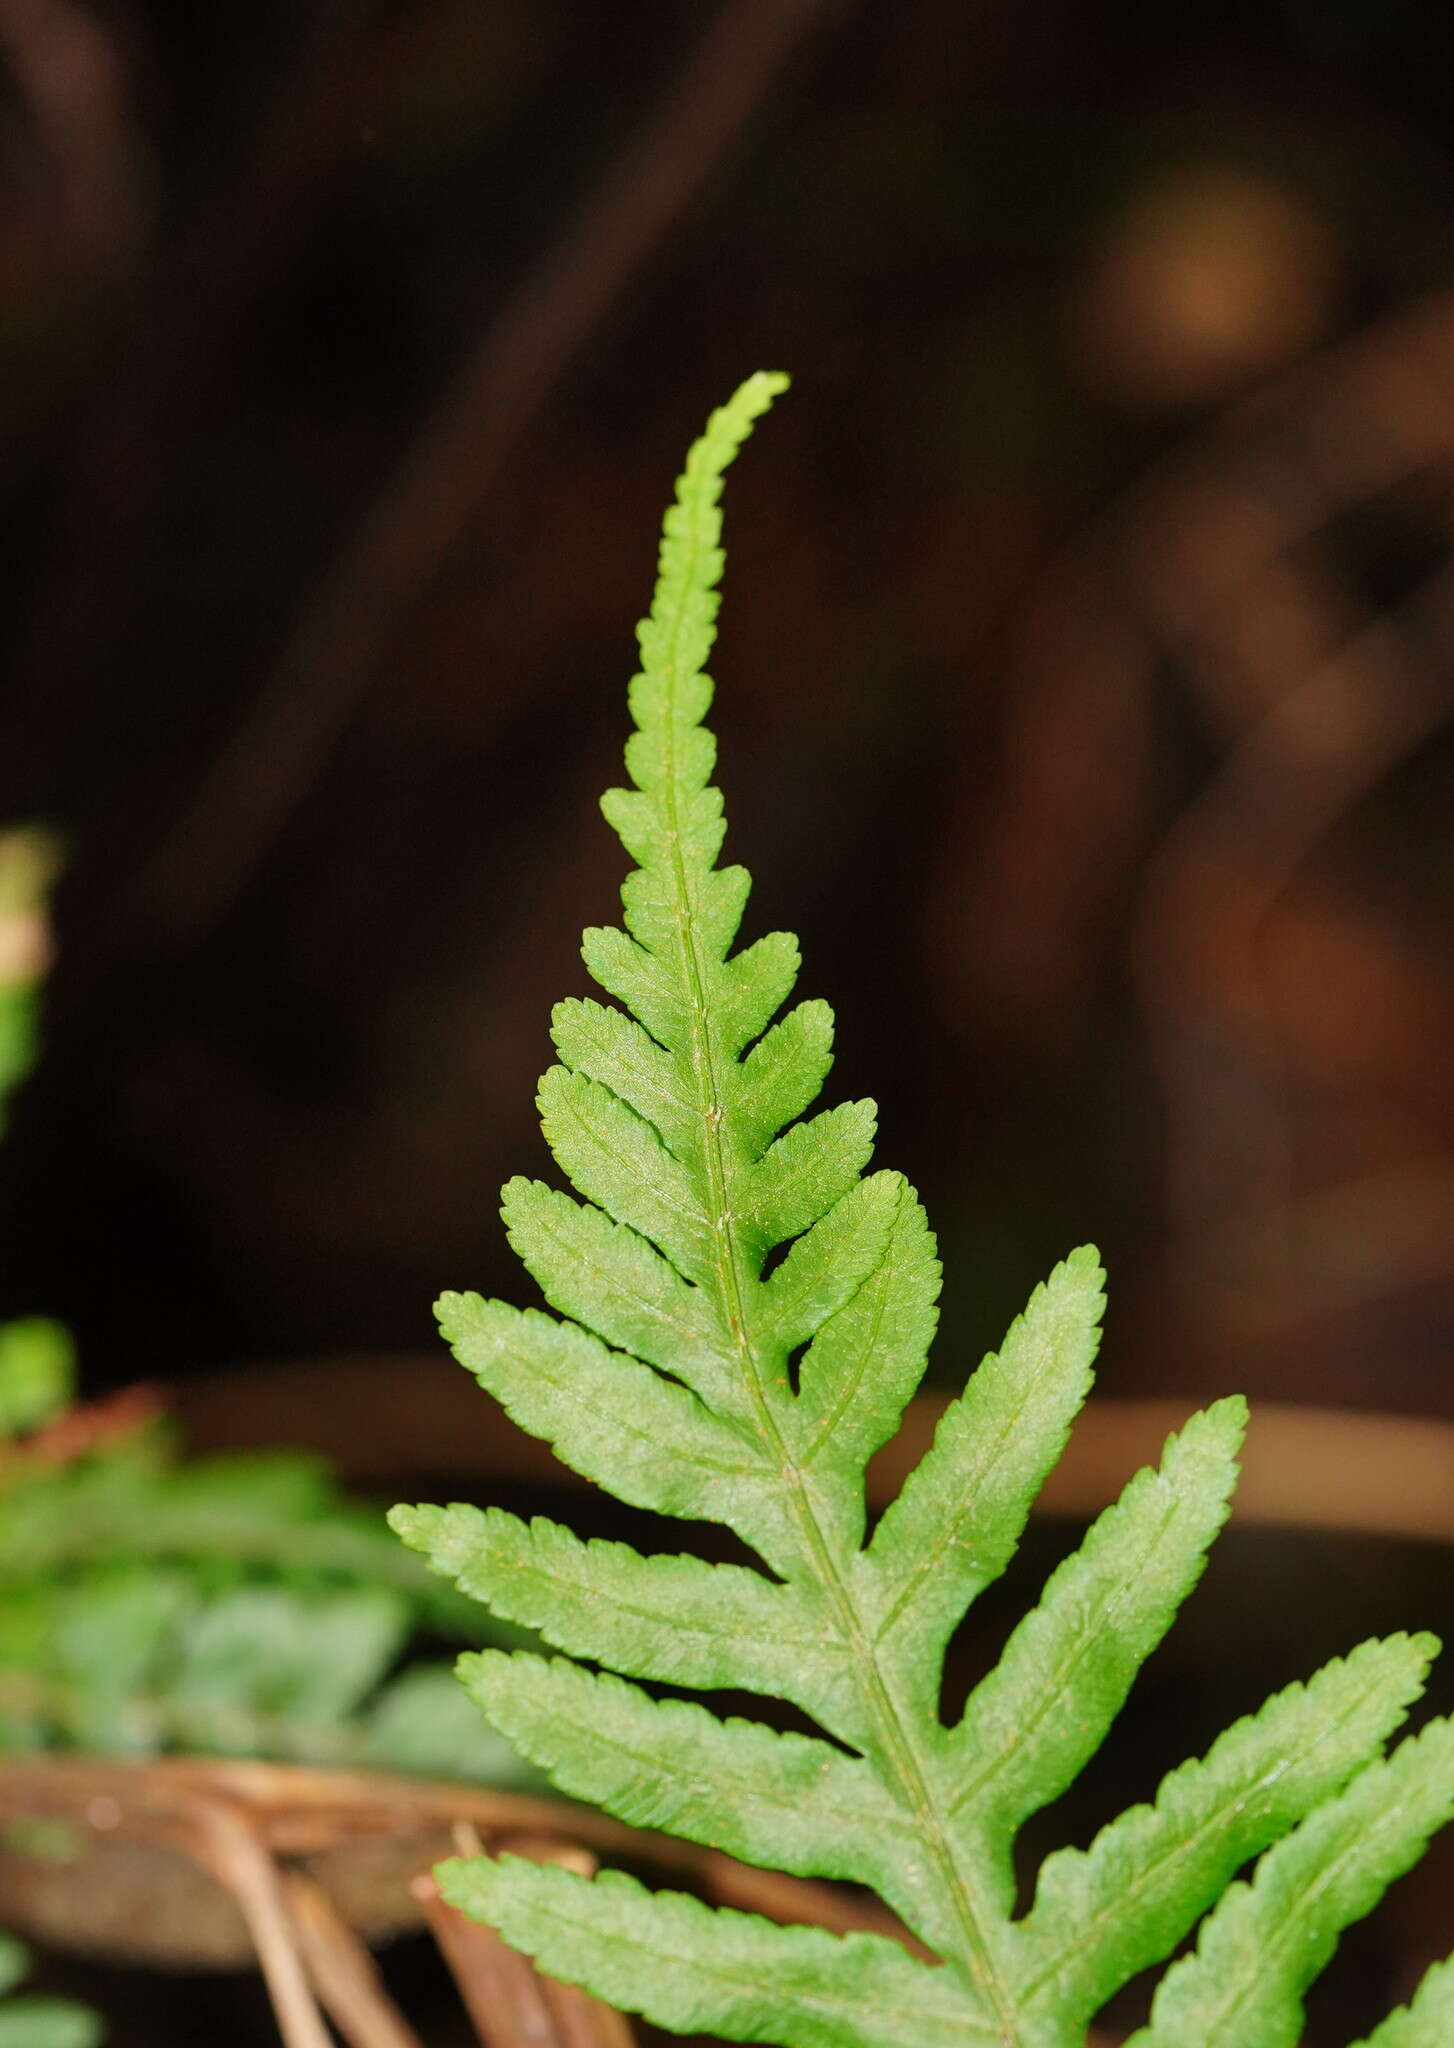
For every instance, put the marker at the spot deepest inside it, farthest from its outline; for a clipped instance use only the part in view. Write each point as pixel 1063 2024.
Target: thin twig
pixel 73 82
pixel 243 804
pixel 231 1850
pixel 190 319
pixel 294 1811
pixel 510 2002
pixel 1332 1470
pixel 492 1980
pixel 580 2021
pixel 233 1818
pixel 342 1970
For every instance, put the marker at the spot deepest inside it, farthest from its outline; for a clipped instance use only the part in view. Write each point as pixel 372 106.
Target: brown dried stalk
pixel 248 1825
pixel 243 803
pixel 296 1814
pixel 511 2003
pixel 1306 1467
pixel 342 1971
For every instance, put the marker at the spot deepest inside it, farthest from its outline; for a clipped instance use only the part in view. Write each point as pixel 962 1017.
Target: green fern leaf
pixel 741 1315
pixel 232 1605
pixel 1132 1896
pixel 732 1972
pixel 1266 1941
pixel 277 1511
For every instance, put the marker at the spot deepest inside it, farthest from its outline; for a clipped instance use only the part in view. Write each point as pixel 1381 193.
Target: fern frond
pixel 741 1315
pixel 735 1973
pixel 1266 1941
pixel 1132 1896
pixel 232 1605
pixel 274 1511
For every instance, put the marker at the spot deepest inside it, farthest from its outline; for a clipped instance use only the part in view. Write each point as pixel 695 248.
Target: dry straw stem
pixel 297 1814
pixel 1303 1468
pixel 342 1970
pixel 511 2004
pixel 252 789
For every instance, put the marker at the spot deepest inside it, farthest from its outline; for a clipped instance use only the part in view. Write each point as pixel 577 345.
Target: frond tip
pixel 740 1313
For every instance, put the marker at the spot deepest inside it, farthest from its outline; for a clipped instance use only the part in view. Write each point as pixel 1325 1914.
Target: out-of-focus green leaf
pixel 37 1373
pixel 424 1724
pixel 35 2021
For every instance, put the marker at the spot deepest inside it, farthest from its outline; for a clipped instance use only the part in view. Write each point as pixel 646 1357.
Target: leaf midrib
pixel 897 1740
pixel 822 1999
pixel 744 1779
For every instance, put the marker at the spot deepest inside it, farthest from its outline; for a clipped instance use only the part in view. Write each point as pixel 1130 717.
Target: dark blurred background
pixel 1086 665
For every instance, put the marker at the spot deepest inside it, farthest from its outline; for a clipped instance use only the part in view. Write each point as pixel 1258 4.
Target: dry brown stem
pixel 241 805
pixel 1306 1467
pixel 229 1847
pixel 246 1824
pixel 342 1970
pixel 511 2003
pixel 293 1813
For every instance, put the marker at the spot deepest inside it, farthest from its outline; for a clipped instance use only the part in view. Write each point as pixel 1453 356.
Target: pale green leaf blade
pixel 606 1276
pixel 788 1802
pixel 34 2021
pixel 611 1418
pixel 274 1512
pixel 1427 2021
pixel 648 896
pixel 781 1075
pixel 644 983
pixel 616 1160
pixel 857 1375
pixel 677 635
pixel 802 1174
pixel 1102 1914
pixel 618 1052
pixel 424 1723
pixel 692 1969
pixel 825 1268
pixel 751 988
pixel 1265 1943
pixel 260 1656
pixel 109 1633
pixel 1042 1713
pixel 771 1311
pixel 676 755
pixel 960 1515
pixel 37 1373
pixel 674 1620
